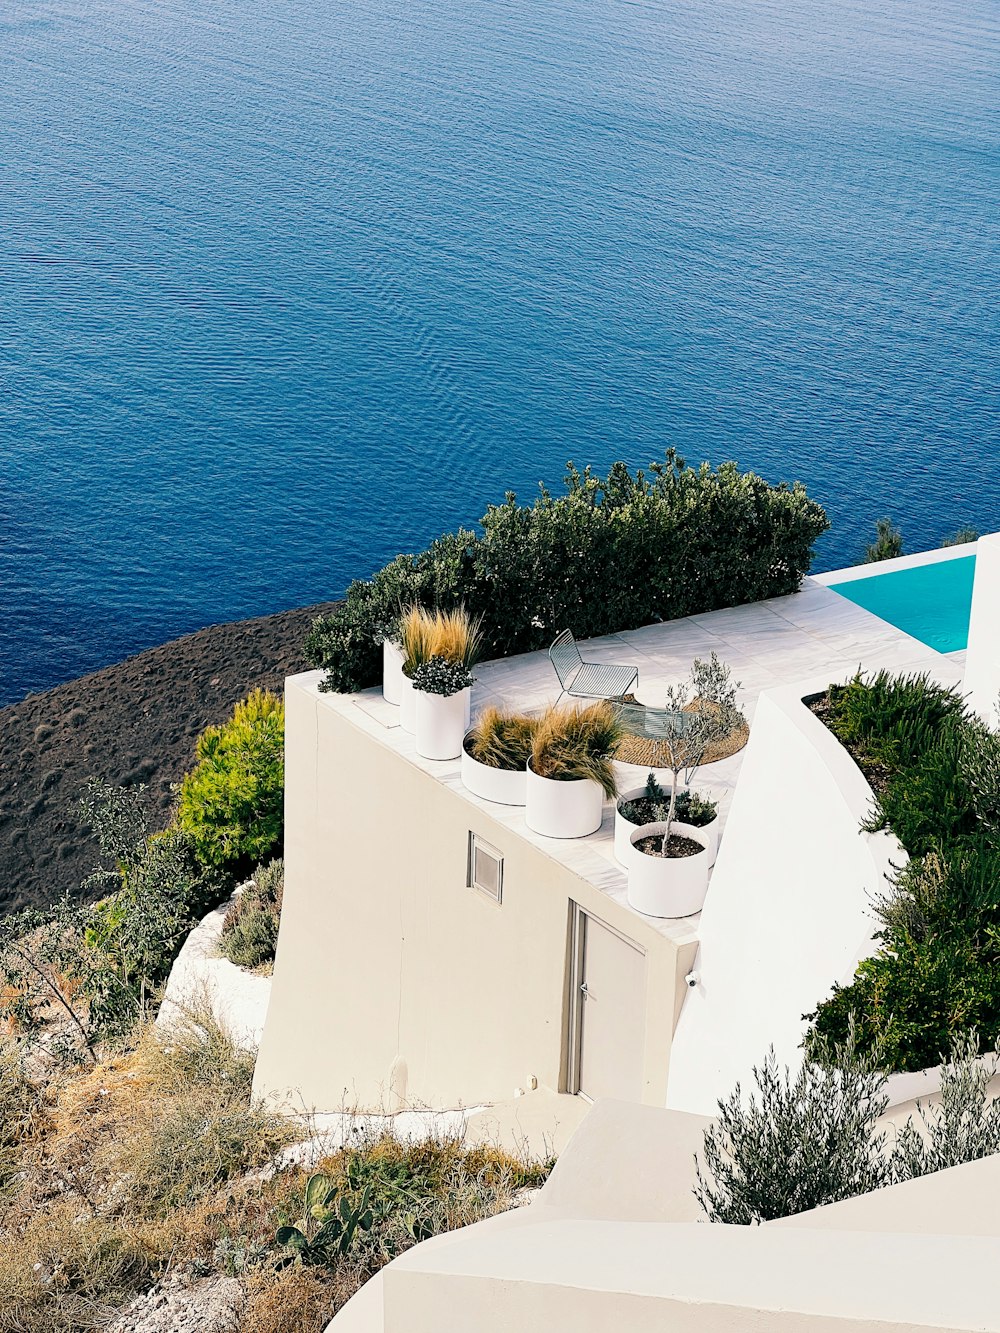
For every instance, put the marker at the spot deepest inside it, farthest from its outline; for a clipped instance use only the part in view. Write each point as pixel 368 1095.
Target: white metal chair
pixel 588 680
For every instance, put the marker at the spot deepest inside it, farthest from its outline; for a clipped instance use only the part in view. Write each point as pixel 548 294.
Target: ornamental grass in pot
pixel 495 755
pixel 570 771
pixel 668 861
pixel 440 690
pixel 425 634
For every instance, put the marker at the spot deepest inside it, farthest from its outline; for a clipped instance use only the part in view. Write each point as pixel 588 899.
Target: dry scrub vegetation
pixel 157 1162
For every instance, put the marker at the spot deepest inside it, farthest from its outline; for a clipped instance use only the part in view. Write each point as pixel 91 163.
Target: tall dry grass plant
pixel 501 738
pixel 577 741
pixel 453 635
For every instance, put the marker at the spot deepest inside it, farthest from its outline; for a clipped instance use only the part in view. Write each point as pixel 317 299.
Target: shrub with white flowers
pixel 440 675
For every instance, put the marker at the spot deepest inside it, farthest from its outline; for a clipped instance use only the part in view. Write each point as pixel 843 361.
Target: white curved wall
pixel 787 912
pixel 982 659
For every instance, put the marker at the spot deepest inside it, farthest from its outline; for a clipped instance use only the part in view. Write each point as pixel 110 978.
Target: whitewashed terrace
pixel 814 635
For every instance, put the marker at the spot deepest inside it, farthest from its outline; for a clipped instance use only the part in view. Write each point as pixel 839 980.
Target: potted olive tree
pixel 495 755
pixel 440 690
pixel 570 771
pixel 667 861
pixel 644 805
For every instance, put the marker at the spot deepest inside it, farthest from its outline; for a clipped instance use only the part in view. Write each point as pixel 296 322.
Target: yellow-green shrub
pixel 231 803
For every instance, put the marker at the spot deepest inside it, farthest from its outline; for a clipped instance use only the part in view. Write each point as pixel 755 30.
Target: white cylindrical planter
pixel 440 724
pixel 667 886
pixel 563 809
pixel 624 830
pixel 407 706
pixel 505 786
pixel 392 672
pixel 711 832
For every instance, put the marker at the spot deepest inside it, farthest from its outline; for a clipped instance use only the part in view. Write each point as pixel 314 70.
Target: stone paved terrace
pixel 814 635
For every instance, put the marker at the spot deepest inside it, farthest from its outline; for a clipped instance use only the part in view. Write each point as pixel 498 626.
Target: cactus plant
pixel 329 1223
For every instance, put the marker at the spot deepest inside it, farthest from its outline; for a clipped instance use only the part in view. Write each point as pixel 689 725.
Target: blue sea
pixel 288 287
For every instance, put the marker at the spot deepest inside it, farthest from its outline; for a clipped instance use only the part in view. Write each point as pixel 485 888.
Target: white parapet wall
pixel 982 659
pixel 788 909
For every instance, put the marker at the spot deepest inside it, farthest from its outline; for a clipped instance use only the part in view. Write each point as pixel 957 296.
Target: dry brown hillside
pixel 134 722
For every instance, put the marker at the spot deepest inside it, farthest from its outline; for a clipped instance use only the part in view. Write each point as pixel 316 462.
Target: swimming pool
pixel 930 601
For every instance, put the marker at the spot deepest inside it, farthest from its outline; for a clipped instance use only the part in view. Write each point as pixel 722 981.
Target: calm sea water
pixel 289 287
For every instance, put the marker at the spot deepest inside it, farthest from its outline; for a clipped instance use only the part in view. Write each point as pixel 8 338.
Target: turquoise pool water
pixel 931 602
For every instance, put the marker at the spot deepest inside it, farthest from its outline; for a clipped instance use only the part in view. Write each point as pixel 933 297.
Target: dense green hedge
pixel 610 554
pixel 935 770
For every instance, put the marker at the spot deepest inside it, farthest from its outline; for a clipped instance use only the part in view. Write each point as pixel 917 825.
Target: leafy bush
pixel 610 554
pixel 963 1126
pixel 911 737
pixel 796 1144
pixel 888 543
pixel 935 770
pixel 691 807
pixel 250 930
pixel 500 738
pixel 961 537
pixel 231 803
pixel 576 741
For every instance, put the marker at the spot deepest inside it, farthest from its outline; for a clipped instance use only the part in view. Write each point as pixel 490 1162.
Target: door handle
pixel 583 988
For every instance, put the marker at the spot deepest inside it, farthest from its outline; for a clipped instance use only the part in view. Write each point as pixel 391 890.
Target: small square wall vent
pixel 485 868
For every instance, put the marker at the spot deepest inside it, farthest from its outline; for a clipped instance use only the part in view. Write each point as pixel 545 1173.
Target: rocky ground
pixel 134 722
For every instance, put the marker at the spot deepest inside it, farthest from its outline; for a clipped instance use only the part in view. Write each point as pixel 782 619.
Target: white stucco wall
pixel 982 659
pixel 787 912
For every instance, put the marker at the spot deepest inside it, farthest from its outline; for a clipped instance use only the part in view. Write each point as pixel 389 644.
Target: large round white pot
pixel 408 706
pixel 667 885
pixel 440 724
pixel 563 809
pixel 505 786
pixel 392 672
pixel 624 830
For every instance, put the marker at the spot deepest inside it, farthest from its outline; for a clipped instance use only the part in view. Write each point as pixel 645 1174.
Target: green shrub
pixel 231 803
pixel 691 807
pixel 610 554
pixel 794 1143
pixel 963 1126
pixel 888 543
pixel 250 931
pixel 935 770
pixel 961 537
pixel 798 1143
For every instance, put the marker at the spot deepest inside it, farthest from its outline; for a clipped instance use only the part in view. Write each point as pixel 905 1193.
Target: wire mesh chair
pixel 662 725
pixel 588 680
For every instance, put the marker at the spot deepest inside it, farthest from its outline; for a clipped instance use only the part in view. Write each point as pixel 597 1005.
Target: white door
pixel 611 1000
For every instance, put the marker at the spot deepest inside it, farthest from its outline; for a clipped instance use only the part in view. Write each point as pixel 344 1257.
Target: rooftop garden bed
pixel 934 769
pixel 610 554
